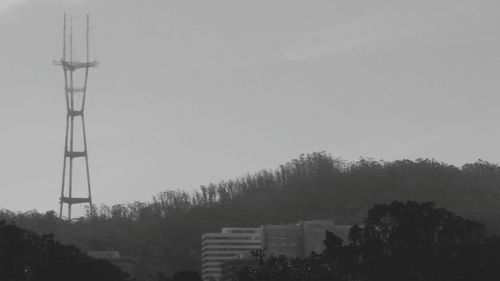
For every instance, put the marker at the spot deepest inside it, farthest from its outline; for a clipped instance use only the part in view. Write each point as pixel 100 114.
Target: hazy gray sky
pixel 193 92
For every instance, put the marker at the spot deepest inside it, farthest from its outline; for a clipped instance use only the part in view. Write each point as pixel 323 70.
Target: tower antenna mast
pixel 75 105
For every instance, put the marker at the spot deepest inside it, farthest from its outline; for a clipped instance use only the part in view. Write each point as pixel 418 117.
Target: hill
pixel 165 232
pixel 26 256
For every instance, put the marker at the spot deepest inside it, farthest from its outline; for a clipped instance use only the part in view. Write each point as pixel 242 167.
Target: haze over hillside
pixel 164 234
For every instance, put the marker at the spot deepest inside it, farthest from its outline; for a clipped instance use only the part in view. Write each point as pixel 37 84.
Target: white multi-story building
pixel 228 244
pixel 292 240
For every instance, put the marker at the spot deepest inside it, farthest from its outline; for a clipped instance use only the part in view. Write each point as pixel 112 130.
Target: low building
pixel 228 244
pixel 285 239
pixel 300 239
pixel 315 234
pixel 229 250
pixel 126 264
pixel 342 231
pixel 107 255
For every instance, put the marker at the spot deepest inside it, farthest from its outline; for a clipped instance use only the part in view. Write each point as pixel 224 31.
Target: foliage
pixel 164 234
pixel 416 241
pixel 26 256
pixel 281 268
pixel 401 241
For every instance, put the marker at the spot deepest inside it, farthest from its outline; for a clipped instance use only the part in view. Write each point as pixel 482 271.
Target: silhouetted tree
pixel 415 241
pixel 25 256
pixel 164 233
pixel 401 241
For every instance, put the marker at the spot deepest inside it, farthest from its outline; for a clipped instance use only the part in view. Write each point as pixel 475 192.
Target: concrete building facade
pixel 232 246
pixel 126 264
pixel 228 244
pixel 284 239
pixel 300 239
pixel 314 233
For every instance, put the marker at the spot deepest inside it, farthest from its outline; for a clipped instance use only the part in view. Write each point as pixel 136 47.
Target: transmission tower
pixel 75 104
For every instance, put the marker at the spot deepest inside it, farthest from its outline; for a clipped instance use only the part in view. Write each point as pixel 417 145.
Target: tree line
pixel 399 241
pixel 409 241
pixel 164 233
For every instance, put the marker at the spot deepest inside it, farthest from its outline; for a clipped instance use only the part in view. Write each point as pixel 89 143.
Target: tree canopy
pixel 26 256
pixel 400 241
pixel 164 233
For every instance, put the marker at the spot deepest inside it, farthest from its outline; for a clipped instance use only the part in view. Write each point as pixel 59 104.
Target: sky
pixel 193 92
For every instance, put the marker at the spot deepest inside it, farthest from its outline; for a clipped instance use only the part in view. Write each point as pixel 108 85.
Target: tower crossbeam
pixel 74 65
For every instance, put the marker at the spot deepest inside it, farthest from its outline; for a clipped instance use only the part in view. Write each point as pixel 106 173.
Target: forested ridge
pixel 164 234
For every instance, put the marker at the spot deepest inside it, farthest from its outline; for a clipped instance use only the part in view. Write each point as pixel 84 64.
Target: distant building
pixel 285 239
pixel 225 252
pixel 300 239
pixel 228 244
pixel 342 231
pixel 315 234
pixel 107 255
pixel 126 264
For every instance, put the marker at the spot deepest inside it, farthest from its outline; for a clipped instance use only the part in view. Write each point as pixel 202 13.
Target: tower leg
pixel 64 168
pixel 87 165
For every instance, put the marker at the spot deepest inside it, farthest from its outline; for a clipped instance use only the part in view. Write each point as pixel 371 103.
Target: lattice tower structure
pixel 75 94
